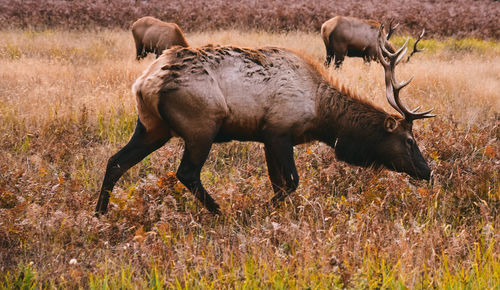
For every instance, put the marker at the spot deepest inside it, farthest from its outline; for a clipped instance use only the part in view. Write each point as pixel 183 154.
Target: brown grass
pixel 445 18
pixel 66 106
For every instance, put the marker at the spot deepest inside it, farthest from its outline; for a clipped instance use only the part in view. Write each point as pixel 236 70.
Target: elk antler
pixel 391 29
pixel 392 87
pixel 415 49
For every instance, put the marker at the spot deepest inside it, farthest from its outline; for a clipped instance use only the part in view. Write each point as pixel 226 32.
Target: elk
pixel 153 35
pixel 271 95
pixel 354 37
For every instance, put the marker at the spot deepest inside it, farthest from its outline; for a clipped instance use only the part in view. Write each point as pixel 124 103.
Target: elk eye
pixel 409 142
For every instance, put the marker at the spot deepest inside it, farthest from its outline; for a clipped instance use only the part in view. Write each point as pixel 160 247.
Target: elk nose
pixel 425 173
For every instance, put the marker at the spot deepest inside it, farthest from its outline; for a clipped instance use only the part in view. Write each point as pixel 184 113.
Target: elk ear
pixel 390 124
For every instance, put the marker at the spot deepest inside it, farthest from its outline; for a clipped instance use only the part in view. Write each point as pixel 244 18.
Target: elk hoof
pixel 214 209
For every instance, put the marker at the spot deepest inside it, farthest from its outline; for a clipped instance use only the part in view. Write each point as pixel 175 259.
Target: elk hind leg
pixel 141 144
pixel 281 166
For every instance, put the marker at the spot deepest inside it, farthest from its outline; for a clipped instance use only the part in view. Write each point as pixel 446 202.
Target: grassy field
pixel 66 107
pixel 457 18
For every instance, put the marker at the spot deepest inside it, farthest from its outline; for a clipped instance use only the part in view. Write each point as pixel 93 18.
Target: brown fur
pixel 350 36
pixel 153 35
pixel 344 90
pixel 272 95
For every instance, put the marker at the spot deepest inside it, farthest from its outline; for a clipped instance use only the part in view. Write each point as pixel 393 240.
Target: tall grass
pixel 458 18
pixel 66 107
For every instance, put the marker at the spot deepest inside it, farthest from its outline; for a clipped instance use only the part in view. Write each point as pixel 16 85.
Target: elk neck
pixel 343 116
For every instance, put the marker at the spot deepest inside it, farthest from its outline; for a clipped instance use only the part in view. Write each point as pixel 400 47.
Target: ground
pixel 66 107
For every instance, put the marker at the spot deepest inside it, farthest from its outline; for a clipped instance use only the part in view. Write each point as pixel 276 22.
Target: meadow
pixel 66 107
pixel 444 18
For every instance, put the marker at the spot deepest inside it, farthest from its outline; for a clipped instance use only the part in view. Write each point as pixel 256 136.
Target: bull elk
pixel 271 95
pixel 153 35
pixel 354 37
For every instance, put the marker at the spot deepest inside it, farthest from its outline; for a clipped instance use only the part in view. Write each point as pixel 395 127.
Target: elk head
pixel 398 150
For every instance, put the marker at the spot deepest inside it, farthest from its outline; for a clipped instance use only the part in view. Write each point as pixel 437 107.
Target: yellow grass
pixel 64 71
pixel 66 107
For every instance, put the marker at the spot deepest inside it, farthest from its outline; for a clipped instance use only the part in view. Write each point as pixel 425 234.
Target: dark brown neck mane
pixel 349 124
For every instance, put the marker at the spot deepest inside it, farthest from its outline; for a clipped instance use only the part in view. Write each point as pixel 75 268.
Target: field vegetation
pixel 444 18
pixel 66 107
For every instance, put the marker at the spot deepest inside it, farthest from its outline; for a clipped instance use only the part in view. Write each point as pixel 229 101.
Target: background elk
pixel 270 95
pixel 153 35
pixel 354 37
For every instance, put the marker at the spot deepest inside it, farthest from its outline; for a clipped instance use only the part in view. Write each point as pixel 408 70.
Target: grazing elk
pixel 353 37
pixel 271 95
pixel 153 35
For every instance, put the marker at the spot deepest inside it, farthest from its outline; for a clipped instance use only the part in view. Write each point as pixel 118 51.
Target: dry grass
pixel 65 107
pixel 457 18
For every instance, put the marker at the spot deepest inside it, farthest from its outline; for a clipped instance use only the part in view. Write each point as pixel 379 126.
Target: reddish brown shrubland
pixel 66 106
pixel 458 18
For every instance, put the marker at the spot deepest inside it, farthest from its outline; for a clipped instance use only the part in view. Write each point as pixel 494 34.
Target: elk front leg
pixel 140 145
pixel 140 51
pixel 339 51
pixel 195 154
pixel 339 59
pixel 281 167
pixel 329 56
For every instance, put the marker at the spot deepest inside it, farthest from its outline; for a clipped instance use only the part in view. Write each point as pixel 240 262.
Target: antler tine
pixel 399 86
pixel 423 114
pixel 416 109
pixel 391 29
pixel 421 34
pixel 393 57
pixel 381 46
pixel 415 48
pixel 389 61
pixel 387 64
pixel 400 57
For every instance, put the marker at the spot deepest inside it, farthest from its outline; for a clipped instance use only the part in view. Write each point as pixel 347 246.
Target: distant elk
pixel 355 37
pixel 271 95
pixel 153 35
